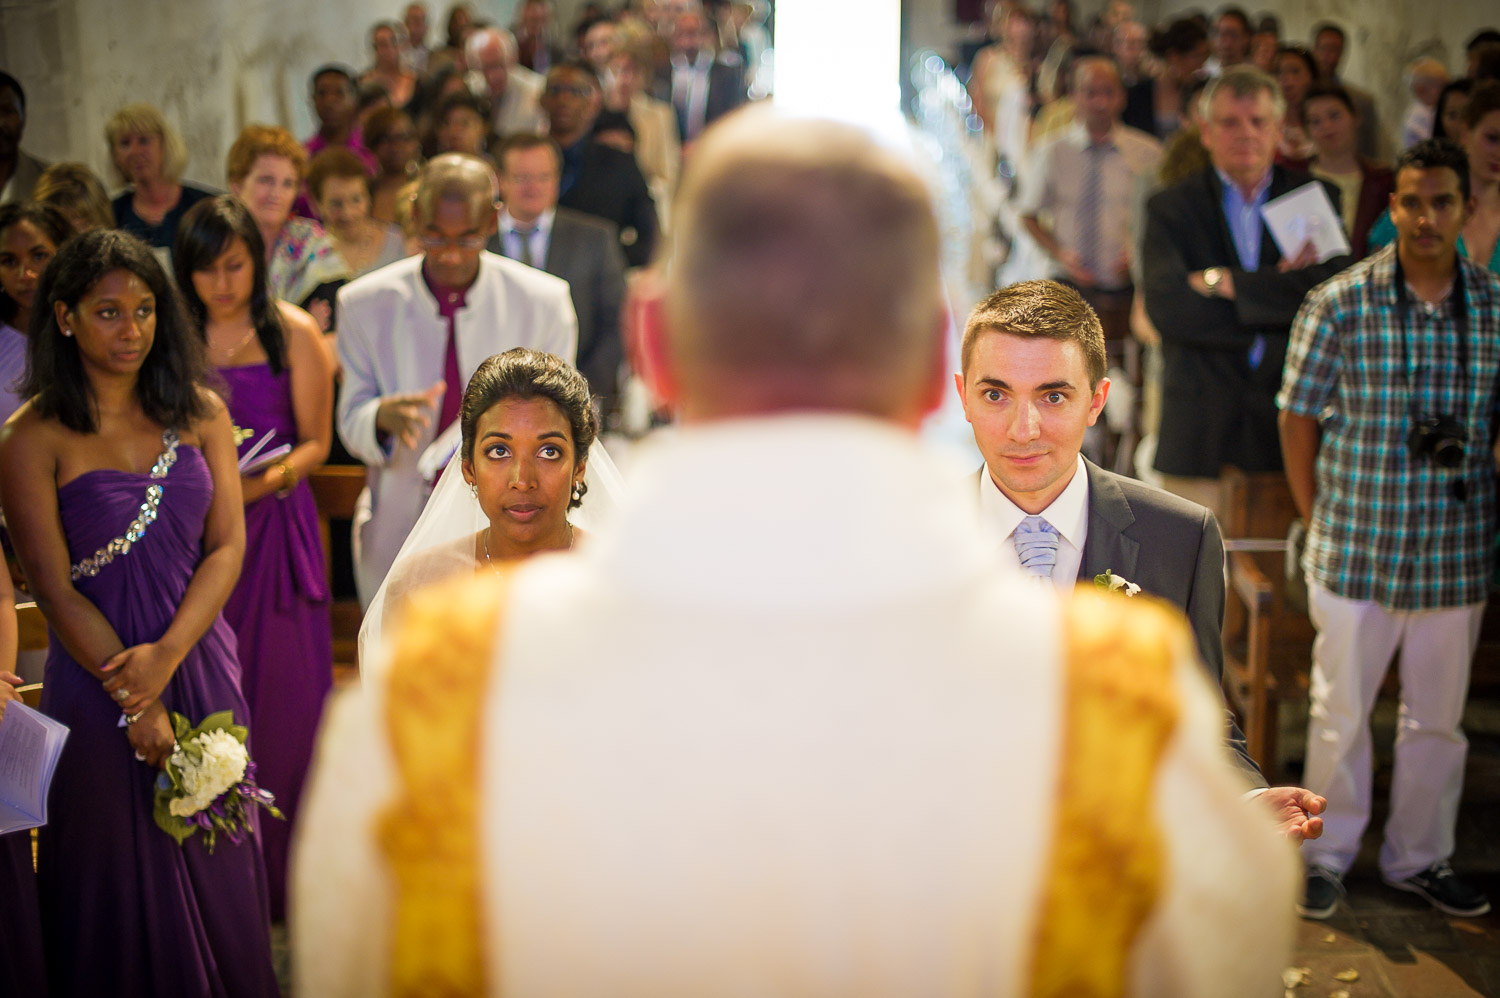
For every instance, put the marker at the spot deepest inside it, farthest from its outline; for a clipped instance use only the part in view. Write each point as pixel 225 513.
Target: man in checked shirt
pixel 1389 387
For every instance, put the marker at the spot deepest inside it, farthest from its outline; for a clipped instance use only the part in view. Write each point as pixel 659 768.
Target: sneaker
pixel 1321 893
pixel 1444 891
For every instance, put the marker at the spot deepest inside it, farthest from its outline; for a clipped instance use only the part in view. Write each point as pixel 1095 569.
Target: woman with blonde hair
pixel 149 156
pixel 73 189
pixel 266 169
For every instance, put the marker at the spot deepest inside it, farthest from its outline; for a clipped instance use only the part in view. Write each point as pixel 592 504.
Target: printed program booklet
pixel 30 744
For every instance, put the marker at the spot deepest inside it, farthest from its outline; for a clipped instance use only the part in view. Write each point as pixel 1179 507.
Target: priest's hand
pixel 1296 811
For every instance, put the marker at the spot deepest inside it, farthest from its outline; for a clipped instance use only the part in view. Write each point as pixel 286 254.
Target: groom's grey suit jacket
pixel 1172 549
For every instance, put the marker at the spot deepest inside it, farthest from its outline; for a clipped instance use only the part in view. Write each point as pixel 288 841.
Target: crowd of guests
pixel 173 356
pixel 432 285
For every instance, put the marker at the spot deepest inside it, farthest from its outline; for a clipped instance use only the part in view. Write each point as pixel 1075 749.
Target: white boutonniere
pixel 1112 583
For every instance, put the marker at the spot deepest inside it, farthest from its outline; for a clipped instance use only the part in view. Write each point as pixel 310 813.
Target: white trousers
pixel 1354 645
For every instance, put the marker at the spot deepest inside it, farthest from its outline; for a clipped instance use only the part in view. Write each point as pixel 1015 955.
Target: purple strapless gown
pixel 126 911
pixel 279 612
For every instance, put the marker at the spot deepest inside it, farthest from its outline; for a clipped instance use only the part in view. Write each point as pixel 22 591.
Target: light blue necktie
pixel 1036 543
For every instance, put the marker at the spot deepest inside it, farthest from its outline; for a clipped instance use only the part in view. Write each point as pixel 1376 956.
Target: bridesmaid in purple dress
pixel 119 481
pixel 279 380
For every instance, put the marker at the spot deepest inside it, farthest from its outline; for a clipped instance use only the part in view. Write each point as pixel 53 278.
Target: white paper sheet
pixel 1306 215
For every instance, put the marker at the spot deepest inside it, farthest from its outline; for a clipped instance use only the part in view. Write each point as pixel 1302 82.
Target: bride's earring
pixel 474 490
pixel 578 491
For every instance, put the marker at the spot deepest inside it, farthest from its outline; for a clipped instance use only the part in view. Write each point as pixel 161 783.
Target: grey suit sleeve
pixel 1205 611
pixel 599 360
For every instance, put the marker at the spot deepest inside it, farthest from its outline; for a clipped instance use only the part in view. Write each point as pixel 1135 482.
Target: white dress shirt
pixel 1069 514
pixel 540 238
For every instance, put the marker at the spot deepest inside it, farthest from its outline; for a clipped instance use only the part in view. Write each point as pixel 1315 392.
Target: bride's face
pixel 524 468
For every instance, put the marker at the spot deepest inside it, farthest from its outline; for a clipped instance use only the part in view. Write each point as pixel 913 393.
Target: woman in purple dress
pixel 20 925
pixel 119 480
pixel 279 381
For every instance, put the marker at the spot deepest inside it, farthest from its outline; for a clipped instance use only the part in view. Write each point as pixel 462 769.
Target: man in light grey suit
pixel 581 249
pixel 1032 383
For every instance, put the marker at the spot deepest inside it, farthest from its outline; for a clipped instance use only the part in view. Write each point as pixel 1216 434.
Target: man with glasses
pixel 412 334
pixel 596 179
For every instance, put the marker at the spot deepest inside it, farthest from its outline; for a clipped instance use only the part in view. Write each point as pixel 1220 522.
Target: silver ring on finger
pixel 139 757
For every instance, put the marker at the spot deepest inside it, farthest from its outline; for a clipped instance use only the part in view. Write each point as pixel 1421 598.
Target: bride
pixel 525 460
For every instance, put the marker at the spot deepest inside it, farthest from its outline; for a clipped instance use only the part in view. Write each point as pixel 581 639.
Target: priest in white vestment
pixel 783 728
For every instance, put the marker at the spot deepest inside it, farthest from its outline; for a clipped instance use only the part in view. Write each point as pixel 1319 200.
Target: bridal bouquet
pixel 209 782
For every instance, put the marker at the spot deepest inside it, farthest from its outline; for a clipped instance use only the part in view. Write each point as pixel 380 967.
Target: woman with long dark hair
pixel 119 483
pixel 278 380
pixel 30 234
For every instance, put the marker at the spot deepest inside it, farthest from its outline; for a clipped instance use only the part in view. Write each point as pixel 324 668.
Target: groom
pixel 1032 382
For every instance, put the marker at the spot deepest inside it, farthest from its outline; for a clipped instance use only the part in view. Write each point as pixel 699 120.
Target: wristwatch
pixel 1211 278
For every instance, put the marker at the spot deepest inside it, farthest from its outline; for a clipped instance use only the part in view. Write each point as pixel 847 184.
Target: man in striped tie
pixel 1032 382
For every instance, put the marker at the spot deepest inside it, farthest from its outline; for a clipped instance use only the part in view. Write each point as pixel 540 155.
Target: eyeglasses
pixel 432 242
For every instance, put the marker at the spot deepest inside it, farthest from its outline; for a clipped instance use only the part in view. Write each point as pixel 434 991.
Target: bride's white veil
pixel 439 546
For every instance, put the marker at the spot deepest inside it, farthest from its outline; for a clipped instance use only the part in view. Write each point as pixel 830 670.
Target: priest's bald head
pixel 803 276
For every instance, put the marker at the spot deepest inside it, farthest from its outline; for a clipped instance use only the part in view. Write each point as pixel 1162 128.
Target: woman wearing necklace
pixel 340 188
pixel 278 378
pixel 527 426
pixel 119 483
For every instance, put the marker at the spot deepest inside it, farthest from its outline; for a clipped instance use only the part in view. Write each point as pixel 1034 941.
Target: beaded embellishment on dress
pixel 121 545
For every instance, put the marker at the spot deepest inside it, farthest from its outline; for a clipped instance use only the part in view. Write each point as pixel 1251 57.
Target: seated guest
pixel 1154 103
pixel 266 168
pixel 21 968
pixel 413 333
pixel 1033 381
pixel 393 139
pixel 387 69
pixel 456 31
pixel 658 148
pixel 1296 72
pixel 30 234
pixel 414 50
pixel 527 429
pixel 149 155
pixel 579 248
pixel 335 97
pixel 73 189
pixel 122 450
pixel 700 87
pixel 533 31
pixel 462 125
pixel 1448 118
pixel 340 188
pixel 596 179
pixel 1364 187
pixel 278 376
pixel 371 97
pixel 776 733
pixel 598 40
pixel 514 91
pixel 19 170
pixel 1426 79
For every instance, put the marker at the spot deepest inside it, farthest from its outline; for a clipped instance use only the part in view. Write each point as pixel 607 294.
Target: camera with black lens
pixel 1439 438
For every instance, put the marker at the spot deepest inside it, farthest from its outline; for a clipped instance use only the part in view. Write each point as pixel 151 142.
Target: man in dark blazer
pixel 597 179
pixel 1033 381
pixel 1220 293
pixel 700 83
pixel 581 249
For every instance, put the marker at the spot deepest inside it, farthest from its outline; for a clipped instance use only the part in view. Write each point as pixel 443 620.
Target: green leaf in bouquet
pixel 181 726
pixel 179 829
pixel 219 719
